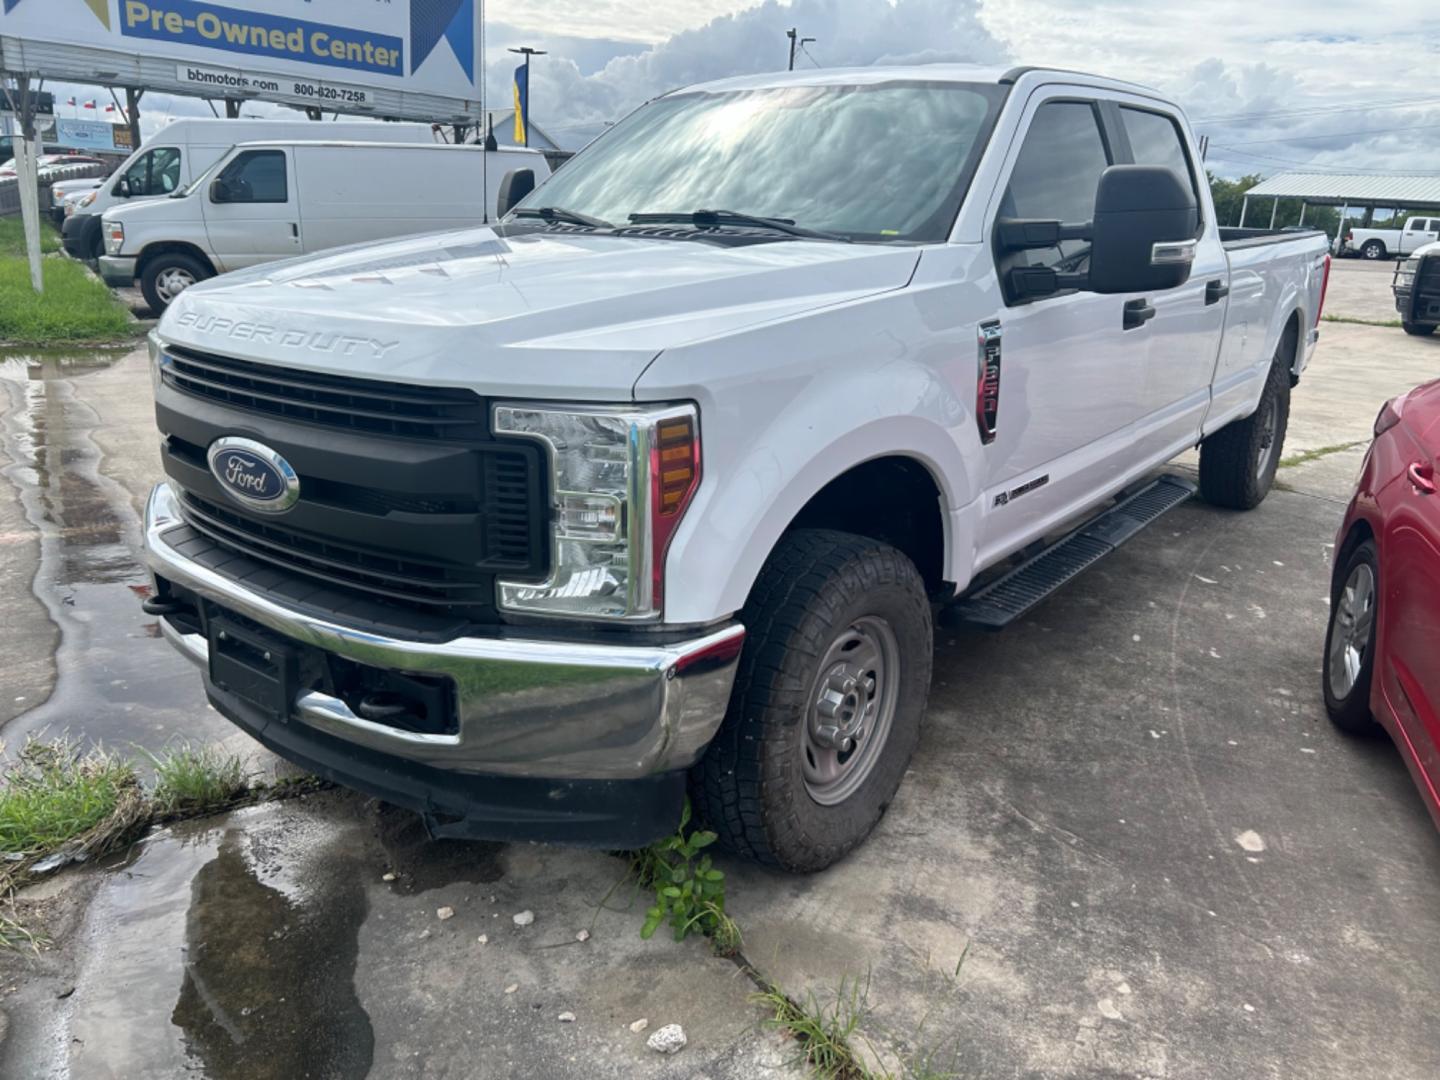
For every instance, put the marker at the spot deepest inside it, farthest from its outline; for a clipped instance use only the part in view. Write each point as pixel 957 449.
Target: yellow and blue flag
pixel 522 105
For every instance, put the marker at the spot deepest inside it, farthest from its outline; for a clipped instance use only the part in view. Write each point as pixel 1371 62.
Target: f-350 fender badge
pixel 987 381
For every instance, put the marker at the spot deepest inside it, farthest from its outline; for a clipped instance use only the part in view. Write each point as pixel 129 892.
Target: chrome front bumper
pixel 527 707
pixel 117 271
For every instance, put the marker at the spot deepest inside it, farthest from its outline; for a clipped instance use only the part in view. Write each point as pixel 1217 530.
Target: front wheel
pixel 1418 329
pixel 1238 462
pixel 827 705
pixel 167 275
pixel 1350 642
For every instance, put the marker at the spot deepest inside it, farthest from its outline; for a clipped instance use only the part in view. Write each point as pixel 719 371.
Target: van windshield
pixel 872 162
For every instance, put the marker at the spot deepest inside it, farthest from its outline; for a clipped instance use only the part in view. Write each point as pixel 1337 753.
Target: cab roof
pixel 956 73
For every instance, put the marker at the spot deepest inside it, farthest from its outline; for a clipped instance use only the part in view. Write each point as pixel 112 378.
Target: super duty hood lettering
pixel 315 341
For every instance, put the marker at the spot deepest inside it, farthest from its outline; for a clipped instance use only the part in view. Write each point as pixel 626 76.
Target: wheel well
pixel 168 247
pixel 1358 534
pixel 892 499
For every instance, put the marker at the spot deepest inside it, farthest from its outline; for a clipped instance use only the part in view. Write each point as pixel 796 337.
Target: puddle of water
pixel 226 951
pixel 116 681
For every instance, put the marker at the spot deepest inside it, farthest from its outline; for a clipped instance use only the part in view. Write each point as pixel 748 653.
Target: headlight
pixel 622 479
pixel 114 237
pixel 1408 269
pixel 88 199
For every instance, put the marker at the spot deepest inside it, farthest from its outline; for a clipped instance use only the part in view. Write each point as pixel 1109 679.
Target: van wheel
pixel 167 275
pixel 1418 329
pixel 1350 642
pixel 827 704
pixel 1373 249
pixel 1238 462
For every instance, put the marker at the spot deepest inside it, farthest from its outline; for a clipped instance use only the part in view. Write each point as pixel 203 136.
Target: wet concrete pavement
pixel 266 945
pixel 76 651
pixel 1130 845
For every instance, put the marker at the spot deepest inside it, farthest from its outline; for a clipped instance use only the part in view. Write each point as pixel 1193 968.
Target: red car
pixel 1382 651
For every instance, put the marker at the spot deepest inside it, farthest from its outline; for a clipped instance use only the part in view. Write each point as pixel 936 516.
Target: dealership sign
pixel 391 56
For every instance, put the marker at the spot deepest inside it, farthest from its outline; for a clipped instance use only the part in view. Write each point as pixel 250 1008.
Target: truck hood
pixel 550 314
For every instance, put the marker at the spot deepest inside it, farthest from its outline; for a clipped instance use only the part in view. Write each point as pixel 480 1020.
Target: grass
pixel 1395 323
pixel 56 796
pixel 1306 456
pixel 12 238
pixel 823 1029
pixel 74 307
pixel 190 781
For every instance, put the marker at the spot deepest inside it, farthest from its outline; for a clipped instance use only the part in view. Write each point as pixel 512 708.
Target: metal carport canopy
pixel 1400 191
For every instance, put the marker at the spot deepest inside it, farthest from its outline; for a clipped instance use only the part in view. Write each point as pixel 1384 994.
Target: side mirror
pixel 219 190
pixel 517 184
pixel 122 188
pixel 1143 236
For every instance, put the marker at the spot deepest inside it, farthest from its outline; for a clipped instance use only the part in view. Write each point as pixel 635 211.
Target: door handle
pixel 1422 476
pixel 1215 291
pixel 1138 313
pixel 295 230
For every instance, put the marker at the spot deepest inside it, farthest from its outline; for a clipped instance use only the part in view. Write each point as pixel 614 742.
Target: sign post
pixel 27 159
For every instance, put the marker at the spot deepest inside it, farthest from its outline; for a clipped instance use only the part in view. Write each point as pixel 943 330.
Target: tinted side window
pixel 257 176
pixel 1057 172
pixel 157 173
pixel 1155 140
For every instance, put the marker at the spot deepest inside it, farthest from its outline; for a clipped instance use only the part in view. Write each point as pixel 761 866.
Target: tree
pixel 1229 196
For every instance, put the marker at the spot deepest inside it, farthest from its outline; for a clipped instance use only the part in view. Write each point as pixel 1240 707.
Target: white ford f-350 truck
pixel 660 483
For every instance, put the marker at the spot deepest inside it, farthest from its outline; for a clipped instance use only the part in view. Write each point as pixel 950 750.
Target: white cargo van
pixel 182 150
pixel 276 199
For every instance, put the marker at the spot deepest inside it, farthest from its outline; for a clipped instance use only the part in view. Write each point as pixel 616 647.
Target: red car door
pixel 1410 568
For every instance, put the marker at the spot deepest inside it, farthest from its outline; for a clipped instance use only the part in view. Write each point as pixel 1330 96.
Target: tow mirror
pixel 517 184
pixel 219 190
pixel 1141 239
pixel 1143 235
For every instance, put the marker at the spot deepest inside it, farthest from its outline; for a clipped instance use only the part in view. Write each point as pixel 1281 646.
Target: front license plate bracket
pixel 253 665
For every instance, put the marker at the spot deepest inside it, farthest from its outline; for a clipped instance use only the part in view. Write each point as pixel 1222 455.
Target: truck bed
pixel 1233 238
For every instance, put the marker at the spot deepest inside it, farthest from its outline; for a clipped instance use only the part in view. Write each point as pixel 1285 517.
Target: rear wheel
pixel 1350 642
pixel 169 274
pixel 1418 329
pixel 1238 462
pixel 1373 249
pixel 827 705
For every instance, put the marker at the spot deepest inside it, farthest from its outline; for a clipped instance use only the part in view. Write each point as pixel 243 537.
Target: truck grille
pixel 366 405
pixel 405 498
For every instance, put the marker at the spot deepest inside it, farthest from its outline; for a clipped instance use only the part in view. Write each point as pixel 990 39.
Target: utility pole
pixel 527 52
pixel 795 40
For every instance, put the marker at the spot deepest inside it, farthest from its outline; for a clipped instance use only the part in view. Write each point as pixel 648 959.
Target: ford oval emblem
pixel 253 475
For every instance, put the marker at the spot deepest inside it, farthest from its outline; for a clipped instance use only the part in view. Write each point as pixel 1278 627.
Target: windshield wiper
pixel 711 219
pixel 559 213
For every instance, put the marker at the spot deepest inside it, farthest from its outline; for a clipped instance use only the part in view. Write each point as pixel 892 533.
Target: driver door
pixel 256 218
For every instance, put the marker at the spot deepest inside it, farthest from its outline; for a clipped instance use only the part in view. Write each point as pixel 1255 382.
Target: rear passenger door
pixel 1070 379
pixel 254 215
pixel 1182 341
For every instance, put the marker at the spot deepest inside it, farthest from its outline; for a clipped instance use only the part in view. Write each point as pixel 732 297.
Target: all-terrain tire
pixel 1351 712
pixel 1418 329
pixel 161 270
pixel 751 787
pixel 1238 462
pixel 1373 249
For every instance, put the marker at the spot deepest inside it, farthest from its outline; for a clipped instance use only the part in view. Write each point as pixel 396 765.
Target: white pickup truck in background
pixel 659 485
pixel 1389 243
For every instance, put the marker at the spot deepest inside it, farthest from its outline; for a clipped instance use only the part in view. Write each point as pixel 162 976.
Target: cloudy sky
pixel 1278 85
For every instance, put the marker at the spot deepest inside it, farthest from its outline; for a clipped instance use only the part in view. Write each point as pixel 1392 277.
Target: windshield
pixel 887 161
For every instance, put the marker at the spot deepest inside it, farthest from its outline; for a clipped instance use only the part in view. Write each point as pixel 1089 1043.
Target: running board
pixel 1002 601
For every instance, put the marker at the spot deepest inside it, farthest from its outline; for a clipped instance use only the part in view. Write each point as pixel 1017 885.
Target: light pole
pixel 794 40
pixel 524 103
